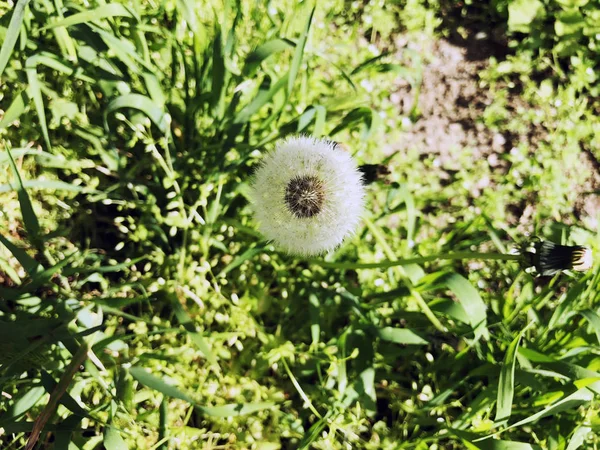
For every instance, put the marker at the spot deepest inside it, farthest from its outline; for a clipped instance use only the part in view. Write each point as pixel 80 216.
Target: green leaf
pixel 12 33
pixel 54 185
pixel 185 320
pixel 594 320
pixel 141 103
pixel 35 92
pixel 30 220
pixel 261 99
pixel 152 382
pixel 241 259
pixel 299 53
pixel 263 52
pixel 400 336
pixel 14 111
pixel 24 403
pixel 113 440
pixel 229 410
pixel 102 12
pixel 470 300
pixel 30 265
pixel 570 402
pixel 579 437
pixel 474 441
pixel 521 13
pixel 507 379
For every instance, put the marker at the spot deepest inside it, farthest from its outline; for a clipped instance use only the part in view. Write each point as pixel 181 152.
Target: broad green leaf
pixel 579 437
pixel 102 12
pixel 14 111
pixel 522 12
pixel 299 54
pixel 470 300
pixel 24 403
pixel 400 336
pixel 113 440
pixel 12 33
pixel 187 9
pixel 66 400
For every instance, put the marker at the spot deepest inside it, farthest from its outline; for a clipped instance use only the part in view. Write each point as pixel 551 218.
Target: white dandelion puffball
pixel 307 195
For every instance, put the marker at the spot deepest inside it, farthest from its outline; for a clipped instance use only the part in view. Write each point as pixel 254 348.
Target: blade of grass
pixel 30 219
pixel 30 265
pixel 470 300
pixel 14 111
pixel 12 33
pixel 102 12
pixel 35 92
pixel 507 379
pixel 230 410
pixel 299 53
pixel 141 103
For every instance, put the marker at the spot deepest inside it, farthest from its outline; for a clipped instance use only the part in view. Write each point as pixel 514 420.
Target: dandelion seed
pixel 307 195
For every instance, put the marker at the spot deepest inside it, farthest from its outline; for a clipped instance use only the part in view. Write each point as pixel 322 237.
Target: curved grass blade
pixel 594 320
pixel 102 12
pixel 141 103
pixel 35 92
pixel 229 410
pixel 470 300
pixel 299 53
pixel 583 395
pixel 12 34
pixel 263 52
pixel 30 265
pixel 507 379
pixel 30 220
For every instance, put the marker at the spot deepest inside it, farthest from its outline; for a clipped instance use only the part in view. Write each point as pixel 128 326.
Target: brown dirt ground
pixel 451 103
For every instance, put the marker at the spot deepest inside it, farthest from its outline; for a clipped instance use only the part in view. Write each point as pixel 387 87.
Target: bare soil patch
pixel 451 104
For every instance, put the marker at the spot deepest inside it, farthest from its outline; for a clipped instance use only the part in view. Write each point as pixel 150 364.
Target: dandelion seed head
pixel 307 195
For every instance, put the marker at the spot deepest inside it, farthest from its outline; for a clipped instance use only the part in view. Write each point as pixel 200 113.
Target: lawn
pixel 155 293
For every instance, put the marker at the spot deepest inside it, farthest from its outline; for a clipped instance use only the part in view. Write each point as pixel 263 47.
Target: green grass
pixel 140 307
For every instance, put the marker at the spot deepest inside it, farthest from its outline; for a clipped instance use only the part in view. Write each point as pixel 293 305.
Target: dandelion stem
pixel 380 238
pixel 418 260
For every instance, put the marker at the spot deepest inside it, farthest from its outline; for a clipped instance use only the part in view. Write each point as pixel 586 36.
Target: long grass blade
pixel 12 34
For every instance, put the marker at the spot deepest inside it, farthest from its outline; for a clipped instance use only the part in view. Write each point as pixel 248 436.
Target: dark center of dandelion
pixel 304 196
